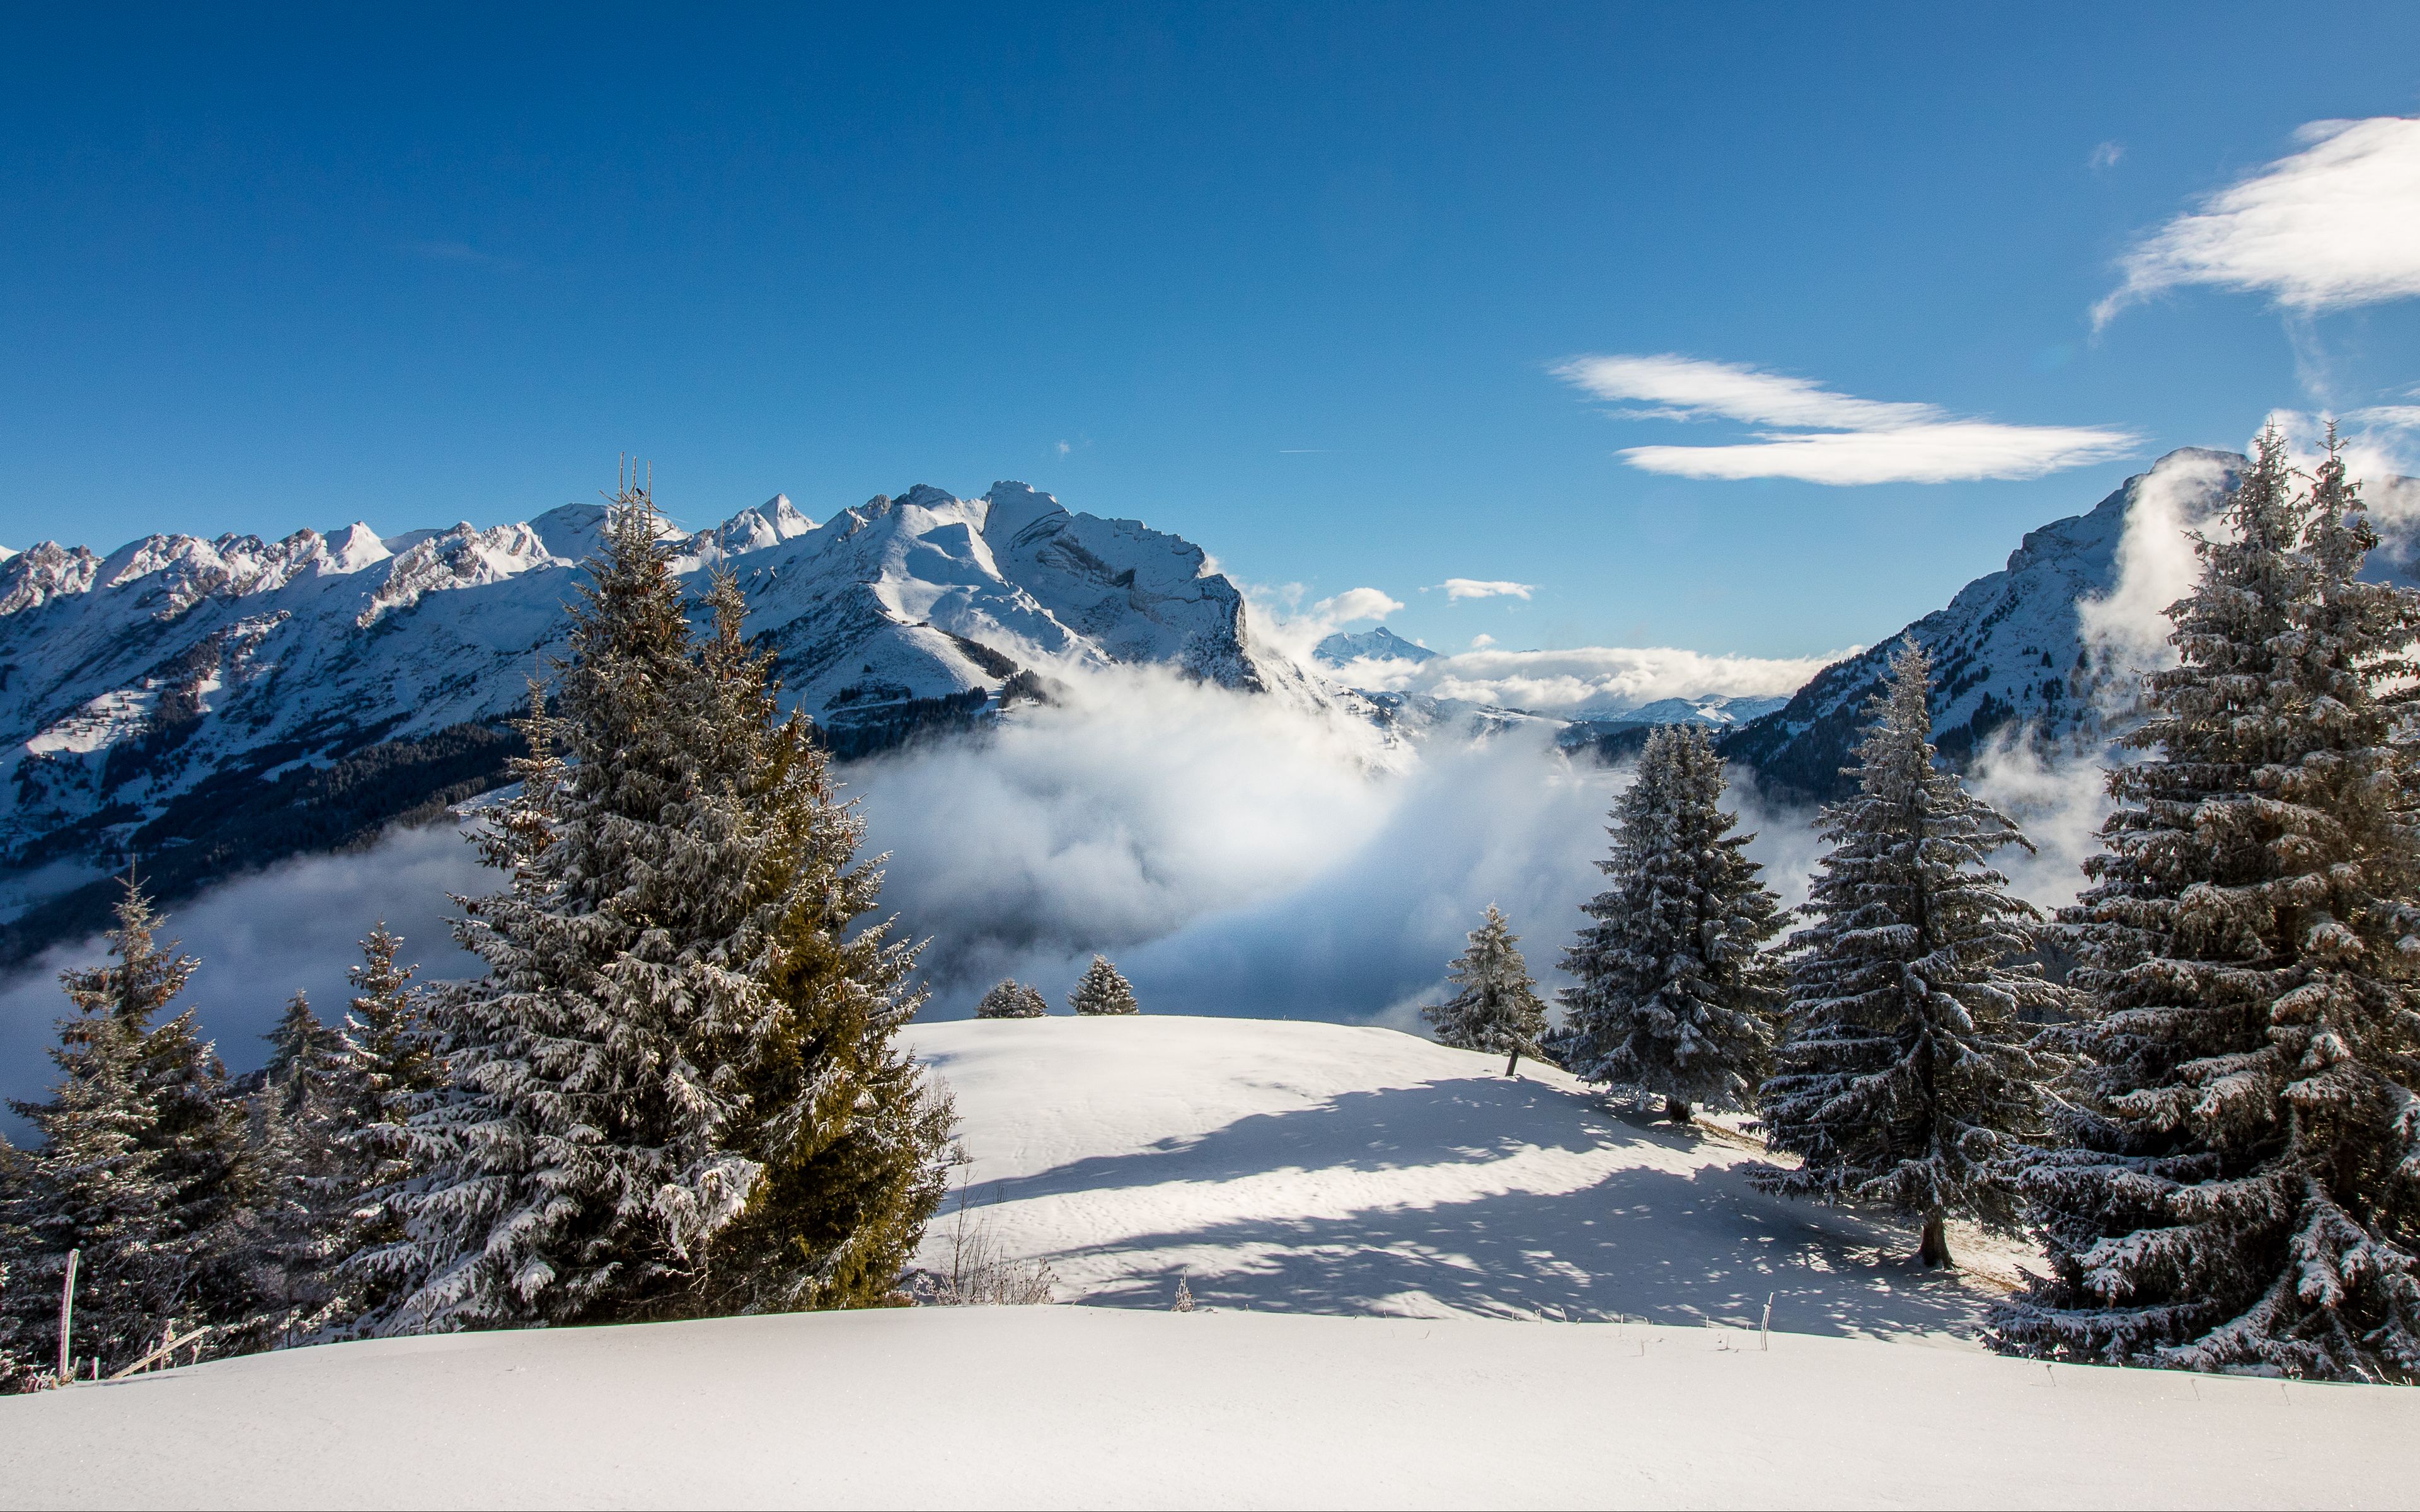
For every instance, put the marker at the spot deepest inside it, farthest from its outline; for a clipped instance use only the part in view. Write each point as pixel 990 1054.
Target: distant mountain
pixel 211 705
pixel 1379 644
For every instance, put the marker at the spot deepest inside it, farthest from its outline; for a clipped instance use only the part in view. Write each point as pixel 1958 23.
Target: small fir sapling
pixel 1497 1008
pixel 1011 1000
pixel 1102 991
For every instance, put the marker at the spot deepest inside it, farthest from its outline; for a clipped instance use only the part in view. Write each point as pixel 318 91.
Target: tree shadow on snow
pixel 1666 1246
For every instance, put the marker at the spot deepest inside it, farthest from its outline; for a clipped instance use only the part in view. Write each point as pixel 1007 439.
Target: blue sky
pixel 1303 285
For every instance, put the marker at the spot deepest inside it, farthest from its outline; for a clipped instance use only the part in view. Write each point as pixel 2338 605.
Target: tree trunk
pixel 1676 1109
pixel 1934 1249
pixel 1511 1060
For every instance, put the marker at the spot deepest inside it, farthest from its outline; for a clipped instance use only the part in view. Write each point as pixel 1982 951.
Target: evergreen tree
pixel 2241 1190
pixel 1103 990
pixel 677 1089
pixel 1497 1009
pixel 1011 1000
pixel 1905 1074
pixel 145 1168
pixel 1673 991
pixel 296 1206
pixel 389 1070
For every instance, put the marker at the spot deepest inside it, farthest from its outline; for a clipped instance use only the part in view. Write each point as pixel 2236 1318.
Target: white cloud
pixel 1459 588
pixel 1833 438
pixel 1356 604
pixel 2106 155
pixel 2334 226
pixel 1599 678
pixel 1065 448
pixel 1482 641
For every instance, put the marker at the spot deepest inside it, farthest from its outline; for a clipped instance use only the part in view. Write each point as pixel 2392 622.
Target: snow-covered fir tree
pixel 388 1071
pixel 1011 1000
pixel 1905 1074
pixel 1103 990
pixel 296 1205
pixel 677 1089
pixel 2242 1186
pixel 1497 1007
pixel 144 1167
pixel 1672 991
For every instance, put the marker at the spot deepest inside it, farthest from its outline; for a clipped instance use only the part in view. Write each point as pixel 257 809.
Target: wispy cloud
pixel 1833 438
pixel 1457 588
pixel 2106 155
pixel 2334 226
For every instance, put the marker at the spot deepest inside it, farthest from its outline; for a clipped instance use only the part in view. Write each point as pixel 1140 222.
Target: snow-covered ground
pixel 1099 1407
pixel 1317 1167
pixel 1289 1170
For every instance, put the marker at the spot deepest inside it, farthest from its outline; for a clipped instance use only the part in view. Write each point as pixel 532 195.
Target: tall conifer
pixel 676 1089
pixel 1672 991
pixel 2242 1187
pixel 144 1166
pixel 1905 1074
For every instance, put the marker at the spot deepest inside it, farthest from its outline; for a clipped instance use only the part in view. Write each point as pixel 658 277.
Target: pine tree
pixel 677 1089
pixel 1905 1074
pixel 145 1168
pixel 2241 1190
pixel 1011 1000
pixel 1102 990
pixel 1673 991
pixel 1497 1009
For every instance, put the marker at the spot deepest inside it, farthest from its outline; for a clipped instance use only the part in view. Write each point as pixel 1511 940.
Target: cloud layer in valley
pixel 2334 225
pixel 1824 437
pixel 1588 679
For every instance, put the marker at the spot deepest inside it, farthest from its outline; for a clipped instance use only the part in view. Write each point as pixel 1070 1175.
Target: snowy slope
pixel 1290 1171
pixel 1325 1168
pixel 147 695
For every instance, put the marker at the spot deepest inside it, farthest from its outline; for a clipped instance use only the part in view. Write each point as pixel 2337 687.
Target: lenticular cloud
pixel 1829 437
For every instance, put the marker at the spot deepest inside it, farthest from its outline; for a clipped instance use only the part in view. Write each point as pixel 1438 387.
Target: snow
pixel 1296 1171
pixel 1330 1169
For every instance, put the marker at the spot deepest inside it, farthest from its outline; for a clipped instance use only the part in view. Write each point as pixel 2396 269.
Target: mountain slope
pixel 207 705
pixel 2010 650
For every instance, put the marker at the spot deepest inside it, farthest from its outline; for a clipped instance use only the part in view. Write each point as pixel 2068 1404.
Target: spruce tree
pixel 2242 1189
pixel 145 1168
pixel 1497 1008
pixel 1102 991
pixel 1673 990
pixel 1011 1000
pixel 389 1070
pixel 677 1089
pixel 1905 1074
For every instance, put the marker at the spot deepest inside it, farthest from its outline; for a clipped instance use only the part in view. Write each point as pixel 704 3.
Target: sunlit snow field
pixel 1384 1239
pixel 1319 1167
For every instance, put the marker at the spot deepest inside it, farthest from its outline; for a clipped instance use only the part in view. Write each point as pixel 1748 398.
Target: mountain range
pixel 208 706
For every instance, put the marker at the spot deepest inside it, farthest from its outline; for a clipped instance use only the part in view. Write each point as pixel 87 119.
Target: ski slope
pixel 1324 1168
